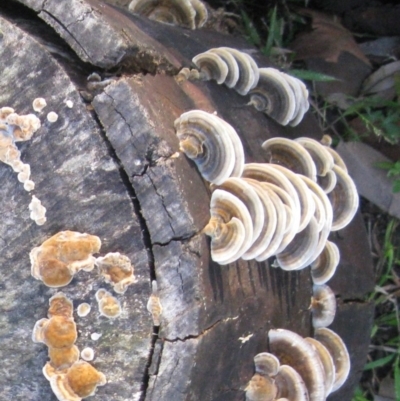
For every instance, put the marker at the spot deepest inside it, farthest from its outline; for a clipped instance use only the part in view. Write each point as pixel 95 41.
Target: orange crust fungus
pixel 116 270
pixel 57 260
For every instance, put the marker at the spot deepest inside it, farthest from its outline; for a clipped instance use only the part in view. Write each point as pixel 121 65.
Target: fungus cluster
pixel 299 369
pixel 69 377
pixel 117 270
pixel 279 95
pixel 16 128
pixel 109 306
pixel 187 13
pixel 57 260
pixel 259 210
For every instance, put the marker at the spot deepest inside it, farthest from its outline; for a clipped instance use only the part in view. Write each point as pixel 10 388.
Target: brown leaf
pixel 327 39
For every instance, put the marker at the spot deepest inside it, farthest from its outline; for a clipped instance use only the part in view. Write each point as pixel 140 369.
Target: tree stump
pixel 108 167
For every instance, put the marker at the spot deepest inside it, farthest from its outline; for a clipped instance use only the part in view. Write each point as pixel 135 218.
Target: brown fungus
pixel 116 270
pixel 57 260
pixel 109 306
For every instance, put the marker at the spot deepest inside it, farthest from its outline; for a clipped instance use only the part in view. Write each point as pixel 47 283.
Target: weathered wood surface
pixel 111 173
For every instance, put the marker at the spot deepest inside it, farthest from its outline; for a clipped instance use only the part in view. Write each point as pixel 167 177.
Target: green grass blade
pixel 311 75
pixel 397 379
pixel 379 362
pixel 250 30
pixel 271 32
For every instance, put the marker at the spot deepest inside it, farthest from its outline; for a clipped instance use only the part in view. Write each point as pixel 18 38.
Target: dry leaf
pixel 327 39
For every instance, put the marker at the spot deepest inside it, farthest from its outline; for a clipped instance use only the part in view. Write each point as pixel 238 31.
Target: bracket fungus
pixel 187 13
pixel 323 306
pixel 225 65
pixel 57 260
pixel 230 227
pixel 291 349
pixel 212 144
pixel 116 270
pixel 290 154
pixel 280 96
pixel 154 305
pixel 38 211
pixel 324 266
pixel 87 354
pixel 340 356
pixel 109 306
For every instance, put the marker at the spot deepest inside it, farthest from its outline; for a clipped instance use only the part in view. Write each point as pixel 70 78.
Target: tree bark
pixel 108 167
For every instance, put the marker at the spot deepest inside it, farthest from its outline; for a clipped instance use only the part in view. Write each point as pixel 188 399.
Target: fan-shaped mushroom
pixel 211 66
pixel 324 267
pixel 187 13
pixel 322 158
pixel 270 222
pixel 299 250
pixel 323 306
pixel 211 143
pixel 291 349
pixel 233 69
pixel 327 362
pixel 337 348
pixel 230 227
pixel 266 364
pixel 154 305
pixel 290 154
pixel 290 384
pixel 344 199
pixel 274 96
pixel 245 192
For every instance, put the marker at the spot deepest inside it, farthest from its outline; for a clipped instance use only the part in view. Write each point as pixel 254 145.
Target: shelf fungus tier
pixel 211 143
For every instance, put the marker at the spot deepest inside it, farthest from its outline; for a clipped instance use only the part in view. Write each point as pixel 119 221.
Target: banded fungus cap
pixel 248 71
pixel 260 388
pixel 291 349
pixel 269 223
pixel 327 363
pixel 321 157
pixel 338 350
pixel 273 96
pixel 264 172
pixel 344 199
pixel 245 192
pixel 307 205
pixel 299 250
pixel 323 306
pixel 39 104
pixel 203 137
pixel 233 68
pixel 117 270
pixel 324 266
pixel 266 364
pixel 176 12
pixel 290 154
pixel 211 66
pixel 230 227
pixel 290 384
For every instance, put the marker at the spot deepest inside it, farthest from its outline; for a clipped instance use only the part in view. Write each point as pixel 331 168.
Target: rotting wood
pixel 216 318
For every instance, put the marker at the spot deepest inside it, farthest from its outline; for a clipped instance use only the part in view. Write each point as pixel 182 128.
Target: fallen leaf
pixel 327 39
